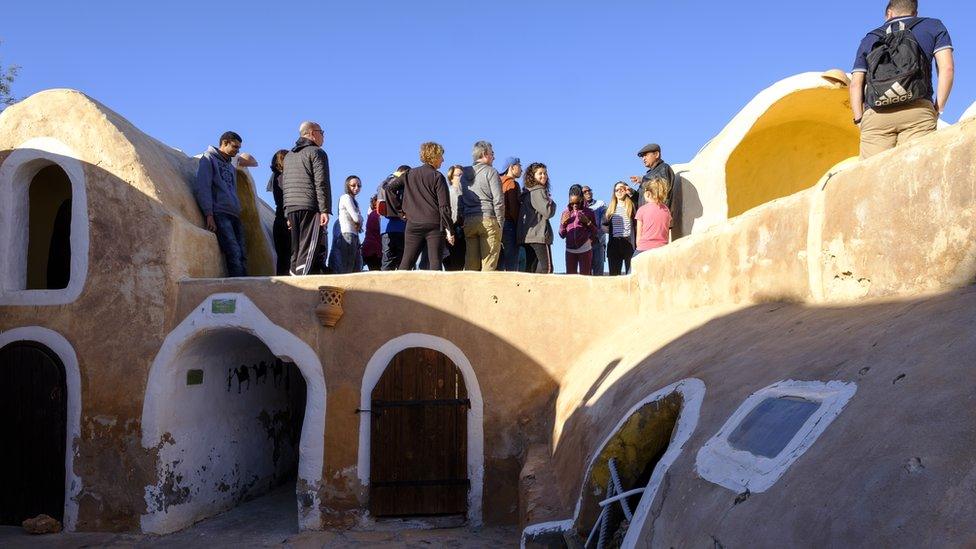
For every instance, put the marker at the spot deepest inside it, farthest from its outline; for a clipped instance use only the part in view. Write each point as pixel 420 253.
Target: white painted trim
pixel 476 433
pixel 545 528
pixel 737 470
pixel 248 318
pixel 61 347
pixel 16 174
pixel 692 391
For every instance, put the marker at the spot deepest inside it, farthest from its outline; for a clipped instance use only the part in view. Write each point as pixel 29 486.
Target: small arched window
pixel 49 230
pixel 43 225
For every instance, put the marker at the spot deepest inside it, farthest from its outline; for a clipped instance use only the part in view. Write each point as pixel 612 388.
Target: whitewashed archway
pixel 61 347
pixel 236 311
pixel 16 174
pixel 476 430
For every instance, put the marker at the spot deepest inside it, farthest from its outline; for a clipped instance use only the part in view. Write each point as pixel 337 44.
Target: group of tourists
pixel 476 218
pixel 480 219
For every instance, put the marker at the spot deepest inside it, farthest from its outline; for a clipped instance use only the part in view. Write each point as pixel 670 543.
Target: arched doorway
pixel 225 390
pixel 233 421
pixel 34 408
pixel 419 410
pixel 474 425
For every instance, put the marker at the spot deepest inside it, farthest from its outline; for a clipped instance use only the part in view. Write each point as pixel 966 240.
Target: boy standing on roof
pixel 216 194
pixel 891 85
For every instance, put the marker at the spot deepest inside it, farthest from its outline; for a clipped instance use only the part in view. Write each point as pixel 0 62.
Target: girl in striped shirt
pixel 620 219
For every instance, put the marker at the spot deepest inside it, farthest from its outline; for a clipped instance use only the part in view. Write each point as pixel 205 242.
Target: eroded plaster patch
pixel 739 470
pixel 476 437
pixel 61 347
pixel 16 174
pixel 235 312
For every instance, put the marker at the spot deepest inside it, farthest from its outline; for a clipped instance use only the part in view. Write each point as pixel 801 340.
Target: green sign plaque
pixel 223 306
pixel 194 377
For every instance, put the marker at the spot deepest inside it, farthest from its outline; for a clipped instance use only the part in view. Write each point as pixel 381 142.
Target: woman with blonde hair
pixel 653 218
pixel 619 220
pixel 426 207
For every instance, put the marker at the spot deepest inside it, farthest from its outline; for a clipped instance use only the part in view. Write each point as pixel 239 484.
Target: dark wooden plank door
pixel 418 449
pixel 33 423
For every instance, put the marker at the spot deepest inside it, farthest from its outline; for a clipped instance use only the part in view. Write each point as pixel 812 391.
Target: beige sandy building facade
pixel 795 369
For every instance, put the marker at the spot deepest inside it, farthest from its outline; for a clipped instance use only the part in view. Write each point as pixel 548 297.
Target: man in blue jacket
pixel 216 194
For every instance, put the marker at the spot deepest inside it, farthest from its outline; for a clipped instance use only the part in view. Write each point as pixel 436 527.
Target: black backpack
pixel 898 70
pixel 389 202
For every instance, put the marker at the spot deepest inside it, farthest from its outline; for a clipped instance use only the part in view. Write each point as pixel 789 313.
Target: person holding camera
pixel 578 226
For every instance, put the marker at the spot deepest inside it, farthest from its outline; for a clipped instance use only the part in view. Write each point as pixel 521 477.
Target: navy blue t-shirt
pixel 930 34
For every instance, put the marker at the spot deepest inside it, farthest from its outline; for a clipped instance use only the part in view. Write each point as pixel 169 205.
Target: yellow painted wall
pixel 260 262
pixel 790 147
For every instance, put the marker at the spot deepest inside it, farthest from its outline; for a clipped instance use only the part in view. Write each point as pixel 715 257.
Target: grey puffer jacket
pixel 481 192
pixel 536 208
pixel 305 180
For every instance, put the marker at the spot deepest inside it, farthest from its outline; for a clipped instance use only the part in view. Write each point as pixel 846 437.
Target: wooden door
pixel 418 448
pixel 33 423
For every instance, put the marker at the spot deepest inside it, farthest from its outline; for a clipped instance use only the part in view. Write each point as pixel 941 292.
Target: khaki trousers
pixel 881 131
pixel 483 243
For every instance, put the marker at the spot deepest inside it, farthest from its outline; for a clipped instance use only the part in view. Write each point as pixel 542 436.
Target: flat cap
pixel 649 148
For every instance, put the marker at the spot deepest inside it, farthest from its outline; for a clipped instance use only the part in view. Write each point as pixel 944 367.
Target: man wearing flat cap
pixel 651 155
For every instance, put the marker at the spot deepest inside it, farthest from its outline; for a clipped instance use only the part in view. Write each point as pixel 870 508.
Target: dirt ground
pixel 263 523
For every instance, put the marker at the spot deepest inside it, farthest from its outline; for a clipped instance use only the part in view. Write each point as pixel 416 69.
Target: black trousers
pixel 455 259
pixel 538 258
pixel 373 262
pixel 619 253
pixel 416 235
pixel 392 251
pixel 306 243
pixel 282 244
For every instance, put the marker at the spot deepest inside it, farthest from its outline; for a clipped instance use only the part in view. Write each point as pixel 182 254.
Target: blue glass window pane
pixel 769 427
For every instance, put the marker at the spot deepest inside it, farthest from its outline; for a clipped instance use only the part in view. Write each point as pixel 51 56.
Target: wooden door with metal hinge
pixel 34 408
pixel 419 436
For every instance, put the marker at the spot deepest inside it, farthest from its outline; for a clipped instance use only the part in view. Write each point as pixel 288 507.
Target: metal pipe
pixel 596 527
pixel 601 542
pixel 615 479
pixel 619 497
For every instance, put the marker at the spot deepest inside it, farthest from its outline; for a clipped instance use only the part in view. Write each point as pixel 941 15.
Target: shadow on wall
pixel 516 415
pixel 260 257
pixel 688 207
pixel 893 351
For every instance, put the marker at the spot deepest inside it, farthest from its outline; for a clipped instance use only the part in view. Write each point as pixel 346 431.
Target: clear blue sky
pixel 577 85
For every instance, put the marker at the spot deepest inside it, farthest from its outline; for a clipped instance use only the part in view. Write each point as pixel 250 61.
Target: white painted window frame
pixel 248 318
pixel 739 470
pixel 69 359
pixel 476 431
pixel 16 174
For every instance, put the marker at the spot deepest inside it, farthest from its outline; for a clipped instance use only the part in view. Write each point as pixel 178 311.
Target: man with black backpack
pixel 891 85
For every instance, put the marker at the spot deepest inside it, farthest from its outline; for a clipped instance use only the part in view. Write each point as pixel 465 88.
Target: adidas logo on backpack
pixel 895 94
pixel 898 70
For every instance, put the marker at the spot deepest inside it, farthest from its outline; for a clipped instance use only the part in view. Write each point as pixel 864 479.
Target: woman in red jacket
pixel 372 249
